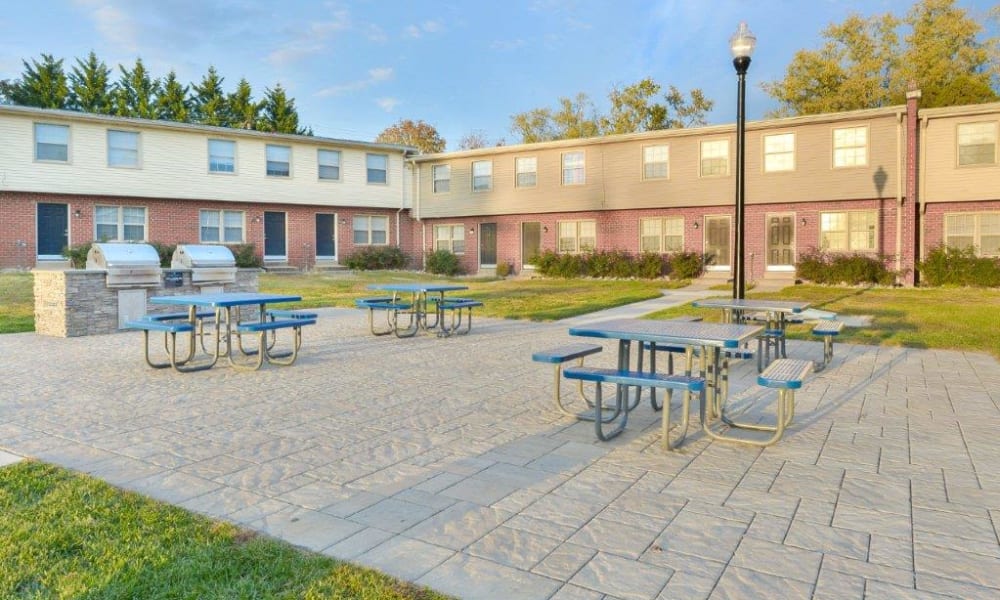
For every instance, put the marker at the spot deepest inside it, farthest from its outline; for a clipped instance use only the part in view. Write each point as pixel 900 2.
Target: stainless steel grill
pixel 127 265
pixel 209 264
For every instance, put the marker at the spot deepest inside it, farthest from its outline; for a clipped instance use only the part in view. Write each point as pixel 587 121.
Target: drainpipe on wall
pixel 900 133
pixel 911 221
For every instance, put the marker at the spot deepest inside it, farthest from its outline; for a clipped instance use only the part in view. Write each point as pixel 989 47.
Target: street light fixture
pixel 742 44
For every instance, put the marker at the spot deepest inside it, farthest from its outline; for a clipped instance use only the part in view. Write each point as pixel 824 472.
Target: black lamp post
pixel 741 44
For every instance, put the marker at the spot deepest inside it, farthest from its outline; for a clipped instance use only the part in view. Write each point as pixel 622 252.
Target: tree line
pixel 88 87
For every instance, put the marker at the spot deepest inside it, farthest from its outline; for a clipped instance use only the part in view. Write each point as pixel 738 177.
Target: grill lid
pixel 122 256
pixel 193 256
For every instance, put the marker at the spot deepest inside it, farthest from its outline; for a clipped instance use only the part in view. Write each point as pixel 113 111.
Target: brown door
pixel 717 252
pixel 531 242
pixel 780 241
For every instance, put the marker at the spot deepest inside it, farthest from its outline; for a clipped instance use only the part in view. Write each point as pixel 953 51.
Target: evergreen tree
pixel 172 103
pixel 208 102
pixel 279 114
pixel 243 111
pixel 89 86
pixel 135 93
pixel 43 84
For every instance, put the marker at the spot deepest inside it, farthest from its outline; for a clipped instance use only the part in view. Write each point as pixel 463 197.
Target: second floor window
pixel 526 171
pixel 52 142
pixel 442 178
pixel 450 237
pixel 977 143
pixel 371 230
pixel 378 168
pixel 850 147
pixel 655 162
pixel 328 162
pixel 221 156
pixel 662 234
pixel 221 226
pixel 779 152
pixel 482 175
pixel 120 223
pixel 852 231
pixel 573 168
pixel 279 161
pixel 979 231
pixel 715 158
pixel 577 236
pixel 123 148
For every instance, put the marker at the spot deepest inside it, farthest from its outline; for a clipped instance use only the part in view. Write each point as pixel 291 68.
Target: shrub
pixel 650 265
pixel 166 252
pixel 372 258
pixel 504 269
pixel 849 269
pixel 246 256
pixel 609 263
pixel 443 262
pixel 77 254
pixel 686 265
pixel 959 266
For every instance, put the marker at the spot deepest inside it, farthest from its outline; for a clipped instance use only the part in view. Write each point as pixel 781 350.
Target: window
pixel 573 172
pixel 662 235
pixel 123 148
pixel 450 237
pixel 714 158
pixel 577 236
pixel 977 144
pixel 279 159
pixel 52 142
pixel 779 152
pixel 222 226
pixel 656 162
pixel 850 147
pixel 221 156
pixel 371 230
pixel 328 162
pixel 378 167
pixel 980 231
pixel 120 223
pixel 848 231
pixel 482 175
pixel 442 178
pixel 526 170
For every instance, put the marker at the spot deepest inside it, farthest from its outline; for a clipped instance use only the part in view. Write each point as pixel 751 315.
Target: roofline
pixel 967 110
pixel 72 115
pixel 666 134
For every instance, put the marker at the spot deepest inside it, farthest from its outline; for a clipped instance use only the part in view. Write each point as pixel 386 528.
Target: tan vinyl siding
pixel 945 180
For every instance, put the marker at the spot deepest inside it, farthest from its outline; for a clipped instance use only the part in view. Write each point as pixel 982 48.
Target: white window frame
pixel 278 160
pixel 987 136
pixel 525 166
pixel 852 231
pixel 450 237
pixel 218 161
pixel 225 222
pixel 482 175
pixel 779 152
pixel 574 167
pixel 365 225
pixel 122 214
pixel 978 221
pixel 666 230
pixel 848 151
pixel 441 179
pixel 373 170
pixel 47 134
pixel 333 161
pixel 713 150
pixel 572 236
pixel 123 155
pixel 655 162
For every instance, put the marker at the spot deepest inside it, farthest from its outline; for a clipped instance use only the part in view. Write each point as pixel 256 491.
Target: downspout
pixel 921 185
pixel 900 134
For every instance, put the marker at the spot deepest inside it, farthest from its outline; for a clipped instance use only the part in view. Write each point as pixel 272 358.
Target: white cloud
pixel 311 40
pixel 412 31
pixel 418 31
pixel 508 44
pixel 387 104
pixel 375 76
pixel 376 34
pixel 116 27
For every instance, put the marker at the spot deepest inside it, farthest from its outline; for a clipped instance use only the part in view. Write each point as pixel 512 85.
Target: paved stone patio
pixel 443 462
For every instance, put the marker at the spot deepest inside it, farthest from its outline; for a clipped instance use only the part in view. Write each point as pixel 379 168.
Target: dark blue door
pixel 274 235
pixel 53 229
pixel 326 240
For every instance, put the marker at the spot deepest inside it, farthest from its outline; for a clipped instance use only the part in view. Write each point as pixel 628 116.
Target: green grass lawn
pixel 64 535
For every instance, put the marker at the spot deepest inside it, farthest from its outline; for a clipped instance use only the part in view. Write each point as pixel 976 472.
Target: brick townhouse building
pixel 893 182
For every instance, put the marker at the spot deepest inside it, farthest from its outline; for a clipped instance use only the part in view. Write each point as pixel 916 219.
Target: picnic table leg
pixel 414 313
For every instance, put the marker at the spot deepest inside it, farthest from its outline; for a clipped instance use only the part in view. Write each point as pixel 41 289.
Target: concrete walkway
pixel 443 462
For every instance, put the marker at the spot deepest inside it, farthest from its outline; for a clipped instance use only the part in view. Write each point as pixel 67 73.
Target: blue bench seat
pixel 178 316
pixel 276 313
pixel 455 306
pixel 827 330
pixel 391 306
pixel 170 329
pixel 563 354
pixel 261 329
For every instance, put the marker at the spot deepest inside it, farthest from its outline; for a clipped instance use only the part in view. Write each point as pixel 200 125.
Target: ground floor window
pixel 371 229
pixel 980 231
pixel 120 223
pixel 661 235
pixel 222 226
pixel 851 231
pixel 577 236
pixel 450 238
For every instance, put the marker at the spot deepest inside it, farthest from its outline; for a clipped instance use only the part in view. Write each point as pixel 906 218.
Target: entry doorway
pixel 718 251
pixel 781 242
pixel 531 243
pixel 488 245
pixel 326 237
pixel 52 227
pixel 275 246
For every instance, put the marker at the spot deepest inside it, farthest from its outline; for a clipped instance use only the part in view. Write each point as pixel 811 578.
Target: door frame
pixel 38 231
pixel 336 238
pixel 479 247
pixel 276 257
pixel 729 254
pixel 767 242
pixel 541 231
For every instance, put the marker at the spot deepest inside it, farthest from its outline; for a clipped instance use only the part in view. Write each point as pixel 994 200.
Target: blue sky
pixel 355 67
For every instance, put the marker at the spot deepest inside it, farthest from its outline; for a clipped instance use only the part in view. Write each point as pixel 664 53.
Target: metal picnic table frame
pixel 418 311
